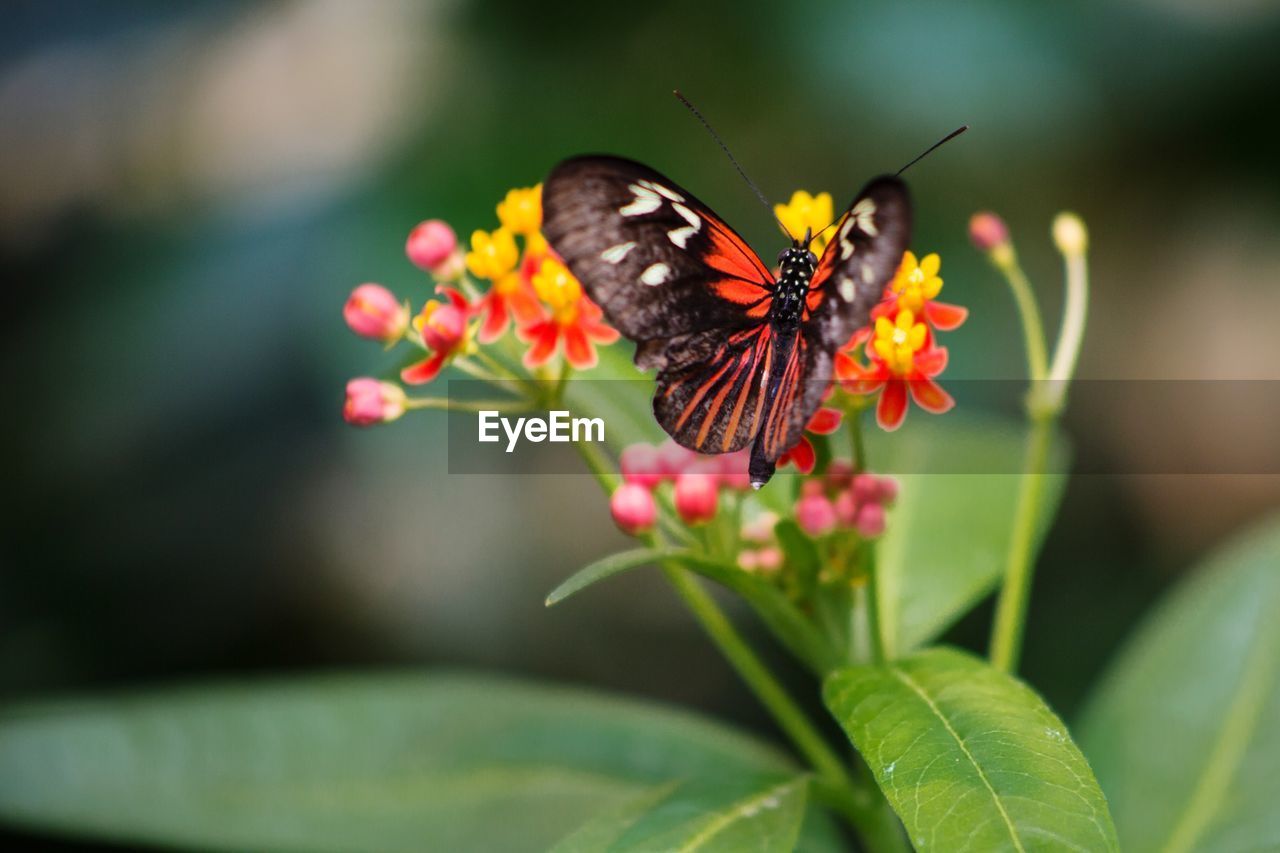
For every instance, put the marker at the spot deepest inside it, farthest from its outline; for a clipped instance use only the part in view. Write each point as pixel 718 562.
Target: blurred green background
pixel 189 191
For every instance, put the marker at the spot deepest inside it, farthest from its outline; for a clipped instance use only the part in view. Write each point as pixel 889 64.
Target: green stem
pixel 854 416
pixel 507 406
pixel 1011 607
pixel 878 646
pixel 1028 310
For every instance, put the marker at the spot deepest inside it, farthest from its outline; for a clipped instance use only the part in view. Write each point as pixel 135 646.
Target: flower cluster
pixel 695 480
pixel 898 356
pixel 507 276
pixel 843 499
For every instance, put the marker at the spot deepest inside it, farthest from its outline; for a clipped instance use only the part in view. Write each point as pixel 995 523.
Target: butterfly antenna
pixel 725 148
pixel 950 136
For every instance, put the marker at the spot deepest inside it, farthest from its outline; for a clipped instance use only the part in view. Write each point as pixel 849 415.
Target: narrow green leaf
pixel 761 814
pixel 944 549
pixel 370 763
pixel 969 757
pixel 787 623
pixel 1184 730
pixel 609 566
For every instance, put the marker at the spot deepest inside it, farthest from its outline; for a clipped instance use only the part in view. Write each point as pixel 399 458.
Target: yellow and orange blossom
pixel 897 341
pixel 521 211
pixel 557 287
pixel 492 255
pixel 917 282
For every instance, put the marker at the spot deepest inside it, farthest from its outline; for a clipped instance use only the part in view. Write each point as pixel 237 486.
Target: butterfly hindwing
pixel 659 262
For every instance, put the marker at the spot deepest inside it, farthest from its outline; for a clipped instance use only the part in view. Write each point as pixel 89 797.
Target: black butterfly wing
pixel 673 277
pixel 865 251
pixel 659 262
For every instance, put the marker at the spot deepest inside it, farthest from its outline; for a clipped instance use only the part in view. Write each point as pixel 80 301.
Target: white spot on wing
pixel 646 201
pixel 680 236
pixel 846 288
pixel 655 275
pixel 666 191
pixel 615 254
pixel 864 212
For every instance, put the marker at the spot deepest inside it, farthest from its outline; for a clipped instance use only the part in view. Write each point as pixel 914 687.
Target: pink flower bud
pixel 641 464
pixel 443 330
pixel 846 506
pixel 815 514
pixel 870 521
pixel 370 402
pixel 748 560
pixel 633 509
pixel 839 473
pixel 431 244
pixel 674 459
pixel 760 528
pixel 866 489
pixel 888 490
pixel 696 497
pixel 812 487
pixel 988 231
pixel 373 312
pixel 769 559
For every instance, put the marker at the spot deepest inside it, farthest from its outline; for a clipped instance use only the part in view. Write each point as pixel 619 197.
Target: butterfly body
pixel 743 356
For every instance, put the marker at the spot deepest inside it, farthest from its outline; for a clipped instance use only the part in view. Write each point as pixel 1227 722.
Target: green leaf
pixel 969 757
pixel 1184 730
pixel 404 762
pixel 787 623
pixel 945 546
pixel 746 814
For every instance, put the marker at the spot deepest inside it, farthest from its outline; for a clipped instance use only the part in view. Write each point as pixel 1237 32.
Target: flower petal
pixel 802 456
pixel 944 316
pixel 495 318
pixel 423 371
pixel 931 361
pixel 824 421
pixel 930 264
pixel 543 336
pixel 577 349
pixel 892 408
pixel 524 304
pixel 930 396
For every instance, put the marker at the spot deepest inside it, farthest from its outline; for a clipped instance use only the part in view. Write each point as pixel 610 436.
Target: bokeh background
pixel 189 191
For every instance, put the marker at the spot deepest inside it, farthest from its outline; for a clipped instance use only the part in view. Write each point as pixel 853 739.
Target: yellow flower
pixel 917 282
pixel 521 211
pixel 813 212
pixel 557 287
pixel 492 255
pixel 897 341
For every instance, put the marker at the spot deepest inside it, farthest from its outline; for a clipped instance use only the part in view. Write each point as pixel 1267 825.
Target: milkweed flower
pixel 520 212
pixel 570 318
pixel 373 312
pixel 641 464
pixel 370 401
pixel 432 246
pixel 807 212
pixel 815 514
pixel 901 358
pixel 916 286
pixel 633 509
pixel 444 332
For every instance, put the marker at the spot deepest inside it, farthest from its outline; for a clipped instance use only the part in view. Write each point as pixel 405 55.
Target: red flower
pixel 571 318
pixel 915 287
pixel 510 295
pixel 443 327
pixel 902 358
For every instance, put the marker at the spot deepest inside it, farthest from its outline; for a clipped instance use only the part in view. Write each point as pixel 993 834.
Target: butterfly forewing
pixel 865 250
pixel 658 261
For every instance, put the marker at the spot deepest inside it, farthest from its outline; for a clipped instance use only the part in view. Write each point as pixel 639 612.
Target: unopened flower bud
pixel 633 509
pixel 839 473
pixel 769 559
pixel 696 496
pixel 846 506
pixel 641 464
pixel 674 459
pixel 987 231
pixel 443 328
pixel 1069 234
pixel 866 488
pixel 870 521
pixel 370 402
pixel 373 312
pixel 431 244
pixel 888 490
pixel 815 514
pixel 760 528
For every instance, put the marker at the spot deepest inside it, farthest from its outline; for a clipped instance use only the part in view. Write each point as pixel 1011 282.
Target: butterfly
pixel 743 356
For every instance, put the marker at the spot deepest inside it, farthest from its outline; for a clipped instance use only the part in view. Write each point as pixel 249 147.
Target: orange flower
pixel 901 357
pixel 510 295
pixel 916 286
pixel 570 317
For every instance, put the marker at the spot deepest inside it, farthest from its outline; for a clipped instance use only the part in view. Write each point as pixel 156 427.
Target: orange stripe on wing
pixel 732 427
pixel 700 393
pixel 718 400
